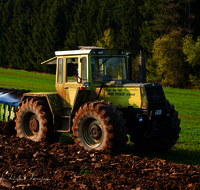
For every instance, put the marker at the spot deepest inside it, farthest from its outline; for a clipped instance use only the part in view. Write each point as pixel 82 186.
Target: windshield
pixel 108 68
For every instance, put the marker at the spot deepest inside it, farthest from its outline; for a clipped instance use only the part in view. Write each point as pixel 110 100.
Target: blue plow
pixel 9 100
pixel 11 96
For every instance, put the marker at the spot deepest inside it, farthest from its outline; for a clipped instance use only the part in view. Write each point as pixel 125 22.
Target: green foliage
pixel 31 31
pixel 152 75
pixel 129 141
pixel 191 49
pixel 195 80
pixel 83 30
pixel 126 22
pixel 168 59
pixel 162 17
pixel 148 31
pixel 84 171
pixel 107 40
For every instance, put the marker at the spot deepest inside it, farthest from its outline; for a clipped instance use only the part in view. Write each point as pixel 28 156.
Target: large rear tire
pixel 100 126
pixel 161 143
pixel 34 120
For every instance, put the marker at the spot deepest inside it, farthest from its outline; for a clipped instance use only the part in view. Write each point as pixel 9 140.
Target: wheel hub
pixel 33 124
pixel 95 132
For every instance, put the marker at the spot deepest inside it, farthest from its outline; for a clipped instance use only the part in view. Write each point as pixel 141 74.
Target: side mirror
pixel 69 69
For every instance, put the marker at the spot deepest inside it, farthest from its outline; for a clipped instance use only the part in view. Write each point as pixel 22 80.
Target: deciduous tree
pixel 168 59
pixel 191 49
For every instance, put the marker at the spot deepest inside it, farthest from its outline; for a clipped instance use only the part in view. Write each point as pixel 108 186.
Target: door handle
pixel 65 87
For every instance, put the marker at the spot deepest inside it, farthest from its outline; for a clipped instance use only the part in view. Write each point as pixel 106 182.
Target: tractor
pixel 99 103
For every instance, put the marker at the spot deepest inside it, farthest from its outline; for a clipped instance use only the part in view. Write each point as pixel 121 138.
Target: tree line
pixel 166 30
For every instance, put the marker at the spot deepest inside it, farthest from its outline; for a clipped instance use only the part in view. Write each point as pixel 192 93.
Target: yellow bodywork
pixel 71 97
pixel 122 97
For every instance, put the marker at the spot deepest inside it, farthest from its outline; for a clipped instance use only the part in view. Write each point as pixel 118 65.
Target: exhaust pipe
pixel 142 68
pixel 129 66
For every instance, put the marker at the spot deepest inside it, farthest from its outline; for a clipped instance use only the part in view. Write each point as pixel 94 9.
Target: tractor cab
pixel 87 70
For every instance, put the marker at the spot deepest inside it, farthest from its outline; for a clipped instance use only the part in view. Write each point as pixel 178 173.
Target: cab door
pixel 71 83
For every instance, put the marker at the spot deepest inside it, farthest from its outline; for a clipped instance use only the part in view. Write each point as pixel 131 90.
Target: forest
pixel 168 32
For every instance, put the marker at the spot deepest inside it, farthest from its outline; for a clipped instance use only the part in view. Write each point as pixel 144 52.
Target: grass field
pixel 36 82
pixel 187 103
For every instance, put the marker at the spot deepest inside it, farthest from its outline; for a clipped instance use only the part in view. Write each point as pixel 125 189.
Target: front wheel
pixel 33 120
pixel 160 143
pixel 99 125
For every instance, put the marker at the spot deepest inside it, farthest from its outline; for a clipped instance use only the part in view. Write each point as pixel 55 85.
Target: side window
pixel 60 71
pixel 84 70
pixel 73 61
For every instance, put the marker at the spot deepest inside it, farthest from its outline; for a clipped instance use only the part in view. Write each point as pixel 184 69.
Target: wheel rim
pixel 30 125
pixel 92 133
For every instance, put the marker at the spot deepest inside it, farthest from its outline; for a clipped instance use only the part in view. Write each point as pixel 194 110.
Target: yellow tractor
pixel 99 103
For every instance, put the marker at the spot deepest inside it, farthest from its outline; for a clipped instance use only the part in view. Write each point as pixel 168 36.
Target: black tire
pixel 162 143
pixel 100 126
pixel 34 120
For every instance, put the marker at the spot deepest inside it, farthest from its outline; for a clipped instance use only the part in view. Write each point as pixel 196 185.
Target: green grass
pixel 187 103
pixel 36 82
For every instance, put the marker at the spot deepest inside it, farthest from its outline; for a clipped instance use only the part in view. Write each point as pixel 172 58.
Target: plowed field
pixel 25 164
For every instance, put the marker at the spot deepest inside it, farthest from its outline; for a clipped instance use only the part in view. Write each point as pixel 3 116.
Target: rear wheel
pixel 34 120
pixel 161 143
pixel 99 125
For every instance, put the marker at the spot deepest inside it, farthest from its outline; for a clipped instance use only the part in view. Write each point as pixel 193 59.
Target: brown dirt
pixel 25 164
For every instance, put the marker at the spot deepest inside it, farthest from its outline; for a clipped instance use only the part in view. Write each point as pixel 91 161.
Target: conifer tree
pixel 7 17
pixel 162 17
pixel 83 30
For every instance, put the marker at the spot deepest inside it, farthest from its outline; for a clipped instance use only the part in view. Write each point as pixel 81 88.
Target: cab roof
pixel 72 52
pixel 83 50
